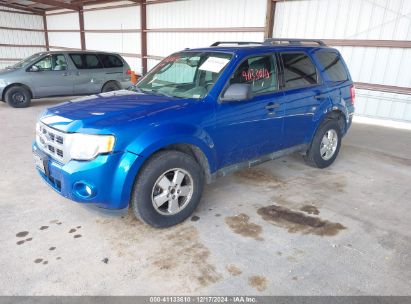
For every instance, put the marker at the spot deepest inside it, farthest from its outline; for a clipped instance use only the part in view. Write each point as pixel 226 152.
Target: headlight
pixel 86 147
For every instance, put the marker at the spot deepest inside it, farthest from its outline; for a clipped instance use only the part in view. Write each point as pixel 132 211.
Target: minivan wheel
pixel 168 189
pixel 325 145
pixel 18 97
pixel 110 86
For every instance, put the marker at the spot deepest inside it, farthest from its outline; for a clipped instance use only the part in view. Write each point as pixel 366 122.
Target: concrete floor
pixel 235 246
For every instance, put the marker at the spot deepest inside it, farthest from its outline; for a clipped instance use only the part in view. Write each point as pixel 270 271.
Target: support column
pixel 46 33
pixel 143 27
pixel 269 19
pixel 81 24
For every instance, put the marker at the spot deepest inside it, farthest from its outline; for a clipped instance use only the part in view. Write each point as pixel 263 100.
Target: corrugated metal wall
pixel 9 19
pixel 67 22
pixel 126 20
pixel 359 19
pixel 201 14
pixel 111 30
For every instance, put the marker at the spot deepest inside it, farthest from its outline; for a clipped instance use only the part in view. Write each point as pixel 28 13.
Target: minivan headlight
pixel 86 147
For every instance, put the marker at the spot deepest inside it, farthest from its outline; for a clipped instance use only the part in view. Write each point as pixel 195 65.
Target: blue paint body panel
pixel 226 132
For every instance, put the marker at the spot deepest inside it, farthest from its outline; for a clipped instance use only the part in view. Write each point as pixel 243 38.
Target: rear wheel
pixel 325 145
pixel 18 97
pixel 168 189
pixel 110 86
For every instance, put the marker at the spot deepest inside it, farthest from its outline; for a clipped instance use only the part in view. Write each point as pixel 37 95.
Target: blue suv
pixel 199 114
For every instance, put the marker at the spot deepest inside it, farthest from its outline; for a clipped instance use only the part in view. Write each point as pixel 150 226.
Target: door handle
pixel 320 96
pixel 65 74
pixel 272 106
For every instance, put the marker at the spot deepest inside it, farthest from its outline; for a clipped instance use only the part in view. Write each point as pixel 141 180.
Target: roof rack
pixel 295 41
pixel 236 42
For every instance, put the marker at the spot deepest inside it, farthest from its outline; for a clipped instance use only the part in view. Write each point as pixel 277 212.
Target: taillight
pixel 352 93
pixel 128 72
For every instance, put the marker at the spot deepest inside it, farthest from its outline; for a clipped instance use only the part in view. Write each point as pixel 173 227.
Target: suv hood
pixel 102 111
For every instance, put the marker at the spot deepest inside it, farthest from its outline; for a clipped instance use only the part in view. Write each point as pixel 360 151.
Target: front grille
pixel 51 141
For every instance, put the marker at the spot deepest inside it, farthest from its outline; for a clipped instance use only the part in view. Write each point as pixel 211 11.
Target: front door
pixel 251 128
pixel 50 76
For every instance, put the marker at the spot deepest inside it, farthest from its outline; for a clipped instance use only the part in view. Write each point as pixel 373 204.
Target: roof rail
pixel 296 41
pixel 235 42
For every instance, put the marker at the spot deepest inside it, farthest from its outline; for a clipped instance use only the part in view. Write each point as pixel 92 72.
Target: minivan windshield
pixel 185 74
pixel 26 61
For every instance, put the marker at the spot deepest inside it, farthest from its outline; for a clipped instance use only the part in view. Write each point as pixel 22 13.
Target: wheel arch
pixel 16 84
pixel 108 81
pixel 330 114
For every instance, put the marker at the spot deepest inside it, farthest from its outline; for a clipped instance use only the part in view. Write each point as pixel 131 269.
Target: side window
pixel 55 62
pixel 43 64
pixel 59 62
pixel 110 61
pixel 260 72
pixel 86 61
pixel 332 66
pixel 77 60
pixel 299 71
pixel 92 61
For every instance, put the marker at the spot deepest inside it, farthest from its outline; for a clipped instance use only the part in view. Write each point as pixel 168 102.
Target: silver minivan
pixel 61 73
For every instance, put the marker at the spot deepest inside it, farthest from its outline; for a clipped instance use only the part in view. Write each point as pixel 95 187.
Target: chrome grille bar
pixel 51 142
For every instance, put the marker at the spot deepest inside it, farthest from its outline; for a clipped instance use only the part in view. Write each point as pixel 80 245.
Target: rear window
pixel 299 71
pixel 86 61
pixel 110 61
pixel 332 66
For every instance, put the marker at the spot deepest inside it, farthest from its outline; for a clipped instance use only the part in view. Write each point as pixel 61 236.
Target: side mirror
pixel 237 92
pixel 34 68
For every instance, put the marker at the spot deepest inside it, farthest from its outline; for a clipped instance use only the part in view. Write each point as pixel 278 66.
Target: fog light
pixel 84 190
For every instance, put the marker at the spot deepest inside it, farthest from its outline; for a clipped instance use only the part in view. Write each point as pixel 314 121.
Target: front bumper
pixel 109 178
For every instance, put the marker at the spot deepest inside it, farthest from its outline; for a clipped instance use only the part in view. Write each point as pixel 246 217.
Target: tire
pixel 18 97
pixel 153 185
pixel 316 156
pixel 110 86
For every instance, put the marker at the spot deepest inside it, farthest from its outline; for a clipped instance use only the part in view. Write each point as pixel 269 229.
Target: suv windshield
pixel 186 74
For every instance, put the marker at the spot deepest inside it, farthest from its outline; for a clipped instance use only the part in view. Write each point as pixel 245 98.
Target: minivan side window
pixel 86 61
pixel 110 61
pixel 258 71
pixel 332 66
pixel 55 62
pixel 299 70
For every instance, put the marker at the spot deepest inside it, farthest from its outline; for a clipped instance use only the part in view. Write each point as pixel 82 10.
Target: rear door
pixel 251 128
pixel 89 76
pixel 113 68
pixel 303 94
pixel 51 76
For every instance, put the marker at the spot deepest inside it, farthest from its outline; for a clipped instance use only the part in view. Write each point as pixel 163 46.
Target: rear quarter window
pixel 332 66
pixel 299 70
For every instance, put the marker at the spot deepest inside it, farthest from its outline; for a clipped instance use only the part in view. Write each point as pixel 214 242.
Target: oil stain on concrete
pixel 234 270
pixel 310 209
pixel 241 225
pixel 258 282
pixel 258 177
pixel 182 252
pixel 295 221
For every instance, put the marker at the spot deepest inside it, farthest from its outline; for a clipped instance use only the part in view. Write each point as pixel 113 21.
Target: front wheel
pixel 18 97
pixel 325 145
pixel 168 189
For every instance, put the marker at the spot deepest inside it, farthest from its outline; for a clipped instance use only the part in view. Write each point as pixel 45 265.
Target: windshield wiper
pixel 156 92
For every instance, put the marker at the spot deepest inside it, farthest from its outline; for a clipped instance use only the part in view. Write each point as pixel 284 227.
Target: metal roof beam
pixel 58 4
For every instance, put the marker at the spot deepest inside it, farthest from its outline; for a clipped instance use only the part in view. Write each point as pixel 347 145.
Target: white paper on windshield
pixel 214 64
